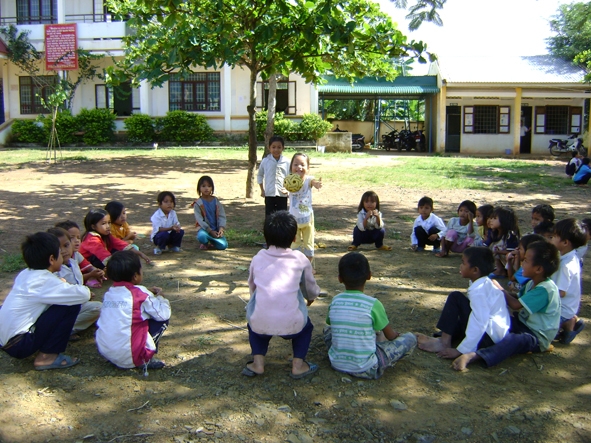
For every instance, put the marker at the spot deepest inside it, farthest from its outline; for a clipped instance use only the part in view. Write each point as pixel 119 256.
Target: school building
pixel 473 104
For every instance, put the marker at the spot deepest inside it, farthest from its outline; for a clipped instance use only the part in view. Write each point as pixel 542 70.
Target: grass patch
pixel 244 236
pixel 12 263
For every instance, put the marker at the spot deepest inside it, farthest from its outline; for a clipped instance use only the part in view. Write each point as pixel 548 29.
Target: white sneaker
pixel 157 251
pixel 175 249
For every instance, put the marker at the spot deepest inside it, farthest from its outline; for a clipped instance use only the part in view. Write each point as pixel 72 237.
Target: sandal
pixel 313 368
pixel 352 248
pixel 385 248
pixel 57 363
pixel 249 372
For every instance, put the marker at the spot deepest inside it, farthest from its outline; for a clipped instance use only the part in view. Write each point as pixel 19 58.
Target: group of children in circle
pixel 42 312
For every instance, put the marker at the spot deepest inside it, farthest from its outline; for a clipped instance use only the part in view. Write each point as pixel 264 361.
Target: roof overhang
pixel 411 88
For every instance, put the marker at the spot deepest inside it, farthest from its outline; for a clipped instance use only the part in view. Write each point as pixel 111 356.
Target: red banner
pixel 61 42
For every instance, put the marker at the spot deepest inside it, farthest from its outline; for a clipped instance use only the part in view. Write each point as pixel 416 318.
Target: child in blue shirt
pixel 514 259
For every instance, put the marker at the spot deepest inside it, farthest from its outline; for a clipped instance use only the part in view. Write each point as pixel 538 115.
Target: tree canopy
pixel 572 39
pixel 349 38
pixel 421 11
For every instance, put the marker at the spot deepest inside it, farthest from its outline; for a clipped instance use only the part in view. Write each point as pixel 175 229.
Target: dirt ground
pixel 201 395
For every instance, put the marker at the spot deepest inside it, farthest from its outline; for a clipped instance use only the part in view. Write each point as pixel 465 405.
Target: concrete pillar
pixel 227 98
pixel 6 90
pixel 61 11
pixel 144 91
pixel 442 120
pixel 516 121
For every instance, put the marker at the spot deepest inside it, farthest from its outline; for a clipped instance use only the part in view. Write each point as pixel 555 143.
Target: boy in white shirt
pixel 479 319
pixel 40 310
pixel 272 172
pixel 569 234
pixel 427 228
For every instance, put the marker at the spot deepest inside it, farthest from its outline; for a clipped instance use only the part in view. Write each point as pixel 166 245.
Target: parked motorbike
pixel 358 142
pixel 407 140
pixel 420 140
pixel 572 144
pixel 391 140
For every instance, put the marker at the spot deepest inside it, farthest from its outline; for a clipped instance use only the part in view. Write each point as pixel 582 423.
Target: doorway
pixel 453 128
pixel 526 122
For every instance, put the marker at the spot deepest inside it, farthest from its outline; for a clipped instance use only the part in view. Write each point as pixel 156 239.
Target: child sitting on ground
pixel 92 276
pixel 166 229
pixel 483 213
pixel 427 228
pixel 210 216
pixel 583 174
pixel 573 164
pixel 569 234
pixel 536 323
pixel 282 284
pixel 503 238
pixel 514 259
pixel 370 223
pixel 133 318
pixel 460 232
pixel 119 226
pixel 359 338
pixel 40 310
pixel 71 273
pixel 479 319
pixel 545 229
pixel 541 213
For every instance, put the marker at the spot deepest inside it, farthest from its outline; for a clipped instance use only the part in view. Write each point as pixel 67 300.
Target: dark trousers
pixel 423 236
pixel 170 238
pixel 156 329
pixel 300 342
pixel 368 236
pixel 49 334
pixel 519 340
pixel 454 319
pixel 583 180
pixel 274 204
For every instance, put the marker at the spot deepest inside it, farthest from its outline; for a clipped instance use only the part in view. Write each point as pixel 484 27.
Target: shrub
pixel 140 128
pixel 28 131
pixel 282 126
pixel 286 129
pixel 98 125
pixel 66 125
pixel 313 127
pixel 182 126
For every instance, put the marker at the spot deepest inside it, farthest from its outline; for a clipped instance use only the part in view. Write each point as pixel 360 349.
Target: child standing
pixel 133 318
pixel 479 319
pixel 98 244
pixel 40 309
pixel 427 228
pixel 272 172
pixel 503 238
pixel 569 235
pixel 536 324
pixel 300 205
pixel 359 338
pixel 92 276
pixel 119 226
pixel 370 224
pixel 541 213
pixel 281 285
pixel 460 231
pixel 166 229
pixel 210 217
pixel 71 273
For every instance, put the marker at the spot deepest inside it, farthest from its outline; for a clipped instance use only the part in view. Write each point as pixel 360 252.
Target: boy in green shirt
pixel 538 306
pixel 360 339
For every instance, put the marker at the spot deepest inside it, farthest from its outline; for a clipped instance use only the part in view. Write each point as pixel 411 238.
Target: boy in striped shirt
pixel 360 340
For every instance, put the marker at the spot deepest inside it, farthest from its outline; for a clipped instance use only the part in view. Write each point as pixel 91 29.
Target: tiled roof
pixel 510 69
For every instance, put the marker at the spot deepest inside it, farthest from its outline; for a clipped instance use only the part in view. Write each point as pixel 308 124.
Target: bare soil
pixel 201 395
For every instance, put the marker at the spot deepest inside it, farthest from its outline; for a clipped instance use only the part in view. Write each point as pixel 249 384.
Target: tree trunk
pixel 271 105
pixel 252 136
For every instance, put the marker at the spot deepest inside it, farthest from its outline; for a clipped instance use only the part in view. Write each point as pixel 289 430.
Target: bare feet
pixel 461 363
pixel 430 344
pixel 442 254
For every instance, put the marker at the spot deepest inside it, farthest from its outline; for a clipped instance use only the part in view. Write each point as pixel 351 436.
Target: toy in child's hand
pixel 293 183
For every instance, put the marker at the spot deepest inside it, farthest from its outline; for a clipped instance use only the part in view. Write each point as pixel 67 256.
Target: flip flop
pixel 352 248
pixel 154 363
pixel 57 363
pixel 249 372
pixel 313 368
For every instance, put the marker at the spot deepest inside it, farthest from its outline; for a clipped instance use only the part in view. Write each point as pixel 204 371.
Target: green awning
pixel 372 87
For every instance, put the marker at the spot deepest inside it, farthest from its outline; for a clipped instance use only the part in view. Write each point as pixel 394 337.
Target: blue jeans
pixel 204 238
pixel 519 340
